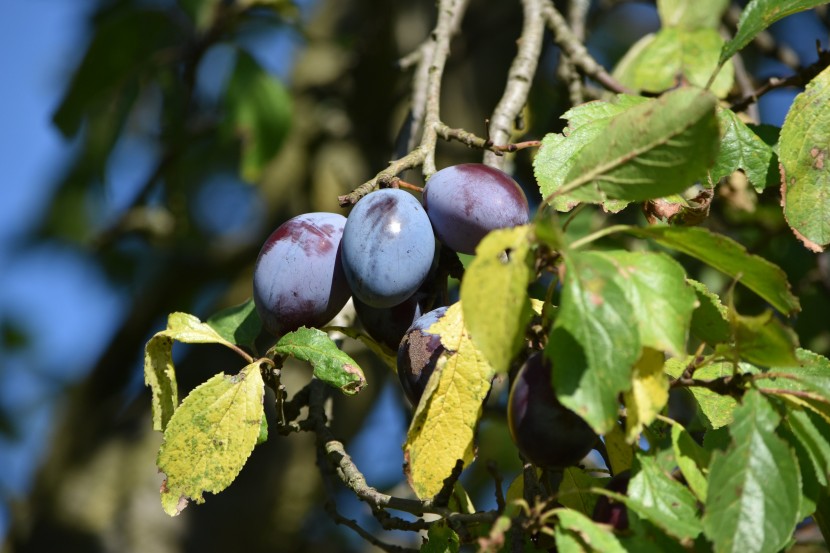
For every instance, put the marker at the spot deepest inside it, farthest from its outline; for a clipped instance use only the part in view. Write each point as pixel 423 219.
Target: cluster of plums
pixel 381 255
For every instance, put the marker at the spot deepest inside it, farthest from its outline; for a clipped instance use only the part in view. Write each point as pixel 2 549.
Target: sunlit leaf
pixel 595 538
pixel 494 294
pixel 444 423
pixel 700 14
pixel 741 148
pixel 755 486
pixel 692 460
pixel 593 344
pixel 238 324
pixel 648 395
pixel 715 409
pixel 805 163
pixel 331 364
pixel 210 436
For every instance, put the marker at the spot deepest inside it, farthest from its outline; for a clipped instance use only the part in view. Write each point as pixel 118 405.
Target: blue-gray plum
pixel 388 325
pixel 465 202
pixel 298 276
pixel 546 432
pixel 388 247
pixel 417 355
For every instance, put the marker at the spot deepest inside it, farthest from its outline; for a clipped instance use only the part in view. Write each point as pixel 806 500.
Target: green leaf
pixel 811 375
pixel 812 434
pixel 655 495
pixel 574 490
pixel 655 286
pixel 210 436
pixel 330 363
pixel 755 486
pixel 159 372
pixel 593 344
pixel 741 148
pixel 494 294
pixel 716 410
pixel 710 322
pixel 760 14
pixel 586 123
pixel 692 460
pixel 762 340
pixel 655 63
pixel 123 52
pixel 805 164
pixel 258 114
pixel 444 423
pixel 620 452
pixel 239 324
pixel 724 254
pixel 441 539
pixel 654 149
pixel 593 536
pixel 700 14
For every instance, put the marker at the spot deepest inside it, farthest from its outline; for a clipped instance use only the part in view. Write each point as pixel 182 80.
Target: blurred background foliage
pixel 195 127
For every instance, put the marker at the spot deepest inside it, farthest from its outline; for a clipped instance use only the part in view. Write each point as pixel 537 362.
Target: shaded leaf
pixel 710 321
pixel 593 344
pixel 648 395
pixel 210 436
pixel 444 423
pixel 331 364
pixel 762 340
pixel 754 487
pixel 760 14
pixel 654 149
pixel 741 148
pixel 441 539
pixel 258 114
pixel 574 490
pixel 494 294
pixel 715 409
pixel 655 63
pixel 238 324
pixel 726 255
pixel 805 164
pixel 620 452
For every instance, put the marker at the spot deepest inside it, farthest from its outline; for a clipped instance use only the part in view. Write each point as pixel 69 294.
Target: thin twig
pixel 576 51
pixel 332 511
pixel 493 469
pixel 474 141
pixel 519 79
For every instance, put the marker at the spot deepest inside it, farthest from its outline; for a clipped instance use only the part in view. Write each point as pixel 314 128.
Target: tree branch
pixel 519 79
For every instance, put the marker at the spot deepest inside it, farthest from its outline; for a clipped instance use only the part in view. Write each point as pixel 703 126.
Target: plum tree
pixel 388 247
pixel 418 353
pixel 465 202
pixel 546 432
pixel 298 276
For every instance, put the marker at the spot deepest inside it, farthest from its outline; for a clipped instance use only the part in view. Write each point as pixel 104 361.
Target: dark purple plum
pixel 298 276
pixel 417 355
pixel 546 432
pixel 388 247
pixel 465 202
pixel 388 325
pixel 609 511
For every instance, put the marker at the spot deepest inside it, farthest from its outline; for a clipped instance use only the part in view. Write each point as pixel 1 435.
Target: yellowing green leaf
pixel 692 460
pixel 210 436
pixel 620 451
pixel 648 395
pixel 159 372
pixel 805 164
pixel 694 15
pixel 331 364
pixel 656 61
pixel 443 425
pixel 494 294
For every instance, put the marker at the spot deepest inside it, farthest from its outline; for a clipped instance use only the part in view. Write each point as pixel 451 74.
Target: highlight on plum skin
pixel 464 202
pixel 546 432
pixel 418 354
pixel 388 247
pixel 298 276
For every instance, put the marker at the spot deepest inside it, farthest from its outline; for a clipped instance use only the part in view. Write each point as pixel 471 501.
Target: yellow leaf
pixel 444 423
pixel 619 452
pixel 648 395
pixel 210 436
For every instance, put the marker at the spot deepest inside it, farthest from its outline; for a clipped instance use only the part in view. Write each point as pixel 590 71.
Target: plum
pixel 465 202
pixel 609 511
pixel 546 432
pixel 298 276
pixel 417 355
